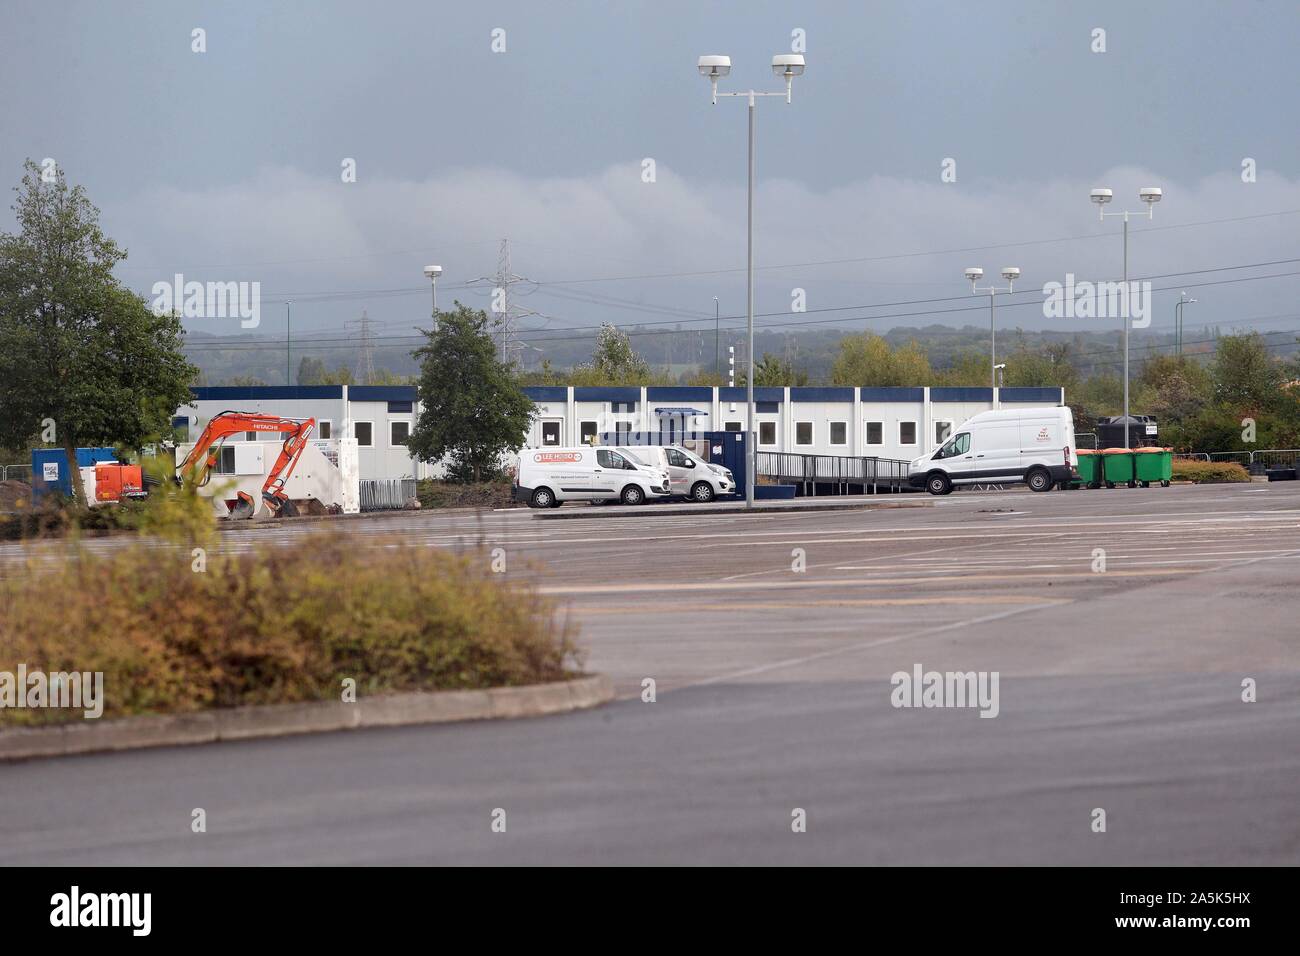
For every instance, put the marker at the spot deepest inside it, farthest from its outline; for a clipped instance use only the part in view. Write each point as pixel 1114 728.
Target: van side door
pixel 954 456
pixel 607 475
pixel 995 451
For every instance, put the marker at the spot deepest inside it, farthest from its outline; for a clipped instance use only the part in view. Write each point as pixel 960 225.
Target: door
pixel 1040 442
pixel 682 471
pixel 607 475
pixel 954 456
pixel 552 431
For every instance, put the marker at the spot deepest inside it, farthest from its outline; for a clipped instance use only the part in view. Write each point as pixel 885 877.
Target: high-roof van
pixel 1033 445
pixel 548 477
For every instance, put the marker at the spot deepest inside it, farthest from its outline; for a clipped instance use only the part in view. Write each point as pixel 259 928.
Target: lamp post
pixel 1011 274
pixel 1178 321
pixel 1001 369
pixel 717 351
pixel 432 273
pixel 786 66
pixel 1149 195
pixel 288 341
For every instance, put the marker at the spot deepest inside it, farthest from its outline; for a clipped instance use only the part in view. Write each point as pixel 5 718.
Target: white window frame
pixel 398 421
pixel 812 435
pixel 952 430
pixel 559 432
pixel 582 423
pixel 915 434
pixel 830 435
pixel 740 426
pixel 321 424
pixel 866 433
pixel 773 442
pixel 372 433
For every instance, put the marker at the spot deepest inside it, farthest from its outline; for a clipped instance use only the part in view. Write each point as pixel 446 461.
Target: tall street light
pixel 787 66
pixel 1011 274
pixel 1149 195
pixel 288 341
pixel 717 350
pixel 1178 321
pixel 432 273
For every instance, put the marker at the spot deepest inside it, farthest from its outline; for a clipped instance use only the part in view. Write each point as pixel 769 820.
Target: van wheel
pixel 542 498
pixel 702 491
pixel 632 495
pixel 938 484
pixel 1039 480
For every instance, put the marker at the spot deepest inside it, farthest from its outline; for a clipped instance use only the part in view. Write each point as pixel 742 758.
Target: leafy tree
pixel 1245 375
pixel 773 370
pixel 1046 366
pixel 867 359
pixel 77 348
pixel 967 368
pixel 614 361
pixel 473 408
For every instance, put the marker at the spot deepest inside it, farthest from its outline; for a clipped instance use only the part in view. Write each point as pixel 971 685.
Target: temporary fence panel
pixel 386 494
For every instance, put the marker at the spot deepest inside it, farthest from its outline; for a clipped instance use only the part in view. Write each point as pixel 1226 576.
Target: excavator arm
pixel 202 459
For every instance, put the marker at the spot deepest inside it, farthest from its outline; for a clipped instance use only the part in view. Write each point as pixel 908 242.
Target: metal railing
pixel 16 472
pixel 1256 462
pixel 1079 440
pixel 386 494
pixel 873 475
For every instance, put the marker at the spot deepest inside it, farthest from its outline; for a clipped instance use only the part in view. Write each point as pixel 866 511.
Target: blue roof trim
pixel 762 393
pixel 547 393
pixel 679 393
pixel 382 393
pixel 821 394
pixel 250 393
pixel 892 393
pixel 961 394
pixel 606 393
pixel 1053 395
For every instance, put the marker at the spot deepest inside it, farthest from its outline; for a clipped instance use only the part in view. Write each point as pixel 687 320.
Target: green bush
pixel 1202 472
pixel 276 624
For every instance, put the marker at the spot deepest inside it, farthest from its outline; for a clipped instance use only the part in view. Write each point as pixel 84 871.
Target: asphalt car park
pixel 1122 622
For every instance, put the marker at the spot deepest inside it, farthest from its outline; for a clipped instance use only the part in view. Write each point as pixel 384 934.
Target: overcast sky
pixel 226 165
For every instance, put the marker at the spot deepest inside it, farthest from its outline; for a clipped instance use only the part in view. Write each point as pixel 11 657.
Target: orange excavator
pixel 203 457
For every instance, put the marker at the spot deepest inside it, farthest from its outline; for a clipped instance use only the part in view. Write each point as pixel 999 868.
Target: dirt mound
pixel 15 496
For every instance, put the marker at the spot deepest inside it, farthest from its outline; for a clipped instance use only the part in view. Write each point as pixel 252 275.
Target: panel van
pixel 690 475
pixel 548 477
pixel 1033 445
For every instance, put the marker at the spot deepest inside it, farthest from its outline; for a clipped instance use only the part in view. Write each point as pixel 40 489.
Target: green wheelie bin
pixel 1089 467
pixel 1117 467
pixel 1154 464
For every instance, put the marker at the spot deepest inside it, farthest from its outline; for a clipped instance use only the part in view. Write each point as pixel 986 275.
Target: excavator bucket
pixel 243 507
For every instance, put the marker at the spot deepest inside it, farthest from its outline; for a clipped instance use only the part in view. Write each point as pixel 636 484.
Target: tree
pixel 867 359
pixel 473 408
pixel 80 355
pixel 614 361
pixel 1245 375
pixel 774 370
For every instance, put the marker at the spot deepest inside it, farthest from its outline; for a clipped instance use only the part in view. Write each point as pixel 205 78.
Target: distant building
pixel 887 422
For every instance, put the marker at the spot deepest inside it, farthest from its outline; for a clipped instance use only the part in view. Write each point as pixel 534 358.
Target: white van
pixel 690 475
pixel 548 477
pixel 1033 445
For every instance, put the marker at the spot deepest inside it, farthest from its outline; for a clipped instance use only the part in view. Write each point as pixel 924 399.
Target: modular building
pixel 885 422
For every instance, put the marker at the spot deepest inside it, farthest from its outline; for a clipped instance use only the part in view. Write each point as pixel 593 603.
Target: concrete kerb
pixel 649 511
pixel 278 720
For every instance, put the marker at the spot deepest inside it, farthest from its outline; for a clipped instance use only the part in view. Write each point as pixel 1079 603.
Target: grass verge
pixel 177 631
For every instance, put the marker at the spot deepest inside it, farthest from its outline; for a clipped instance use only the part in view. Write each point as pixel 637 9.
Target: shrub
pixel 1202 472
pixel 277 624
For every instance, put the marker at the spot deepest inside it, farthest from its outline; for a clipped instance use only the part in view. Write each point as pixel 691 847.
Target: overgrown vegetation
pixel 277 625
pixel 1204 472
pixel 449 494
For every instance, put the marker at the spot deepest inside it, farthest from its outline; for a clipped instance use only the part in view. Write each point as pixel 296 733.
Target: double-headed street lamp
pixel 1011 274
pixel 1149 195
pixel 431 273
pixel 712 68
pixel 1178 321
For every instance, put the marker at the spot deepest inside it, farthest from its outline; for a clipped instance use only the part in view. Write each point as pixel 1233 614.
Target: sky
pixel 587 139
